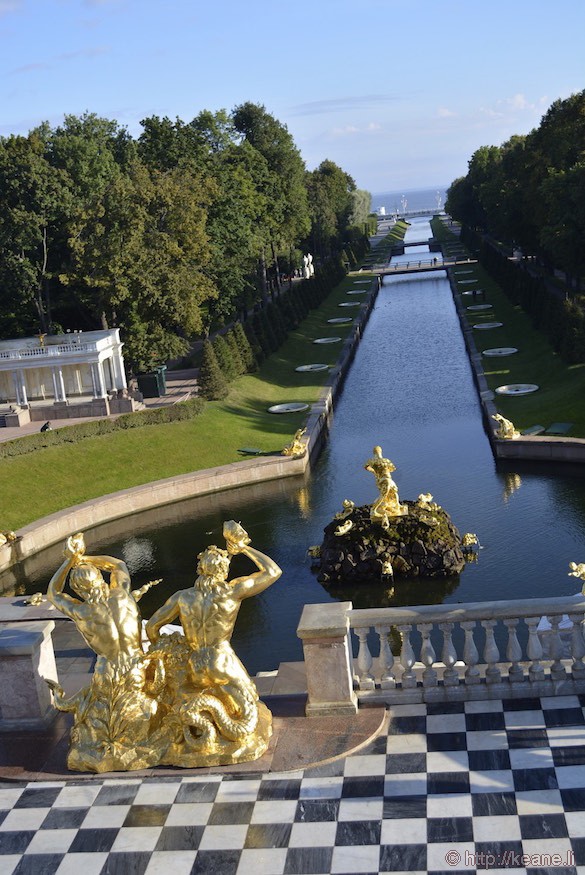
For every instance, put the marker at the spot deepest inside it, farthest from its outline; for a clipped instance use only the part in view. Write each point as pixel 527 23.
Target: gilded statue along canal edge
pixel 188 700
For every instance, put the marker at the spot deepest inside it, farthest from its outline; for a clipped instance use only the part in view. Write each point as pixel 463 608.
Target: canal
pixel 410 389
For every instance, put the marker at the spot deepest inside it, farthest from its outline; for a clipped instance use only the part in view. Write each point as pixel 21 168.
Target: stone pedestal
pixel 26 659
pixel 324 631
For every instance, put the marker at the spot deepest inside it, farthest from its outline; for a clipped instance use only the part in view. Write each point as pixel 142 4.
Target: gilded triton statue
pixel 298 446
pixel 387 505
pixel 187 701
pixel 506 429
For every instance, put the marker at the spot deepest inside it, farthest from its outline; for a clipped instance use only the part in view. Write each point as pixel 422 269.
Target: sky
pixel 399 93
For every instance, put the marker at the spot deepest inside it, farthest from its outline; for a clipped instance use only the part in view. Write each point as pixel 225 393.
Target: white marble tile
pixel 369 764
pixel 531 758
pixel 488 739
pixel 136 838
pixel 313 835
pixel 446 723
pixel 274 811
pixel 9 797
pixel 238 791
pixel 360 809
pixel 23 818
pixel 449 856
pixel 51 841
pixel 539 802
pixel 411 743
pixel 156 794
pixel 404 831
pixel 491 781
pixel 447 761
pixel 117 782
pixel 225 837
pixel 575 824
pixel 413 710
pixel 570 777
pixel 540 848
pixel 566 736
pixel 410 784
pixel 357 858
pixel 450 804
pixel 88 863
pixel 499 828
pixel 321 788
pixel 283 776
pixel 560 702
pixel 77 797
pixel 165 862
pixel 524 719
pixel 105 816
pixel 260 861
pixel 189 814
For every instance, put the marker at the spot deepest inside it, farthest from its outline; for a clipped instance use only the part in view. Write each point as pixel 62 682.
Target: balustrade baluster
pixel 364 661
pixel 513 652
pixel 577 646
pixel 387 678
pixel 470 653
pixel 407 657
pixel 449 656
pixel 534 650
pixel 427 656
pixel 557 669
pixel 491 654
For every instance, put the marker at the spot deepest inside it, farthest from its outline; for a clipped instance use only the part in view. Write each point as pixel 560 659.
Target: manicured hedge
pixel 72 434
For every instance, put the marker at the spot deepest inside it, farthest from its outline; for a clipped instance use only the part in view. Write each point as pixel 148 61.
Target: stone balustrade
pixel 44 352
pixel 435 653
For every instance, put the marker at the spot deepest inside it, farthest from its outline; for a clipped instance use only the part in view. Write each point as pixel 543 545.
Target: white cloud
pixel 443 112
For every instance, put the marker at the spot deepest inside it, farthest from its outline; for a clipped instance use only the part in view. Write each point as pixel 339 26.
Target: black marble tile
pixel 242 776
pixel 521 704
pixel 407 725
pixel 377 746
pixel 37 797
pixel 578 846
pixel 117 794
pixel 230 812
pixel 89 841
pixel 518 738
pixel 439 708
pixel 574 799
pixel 450 829
pixel 554 870
pixel 446 741
pixel 535 779
pixel 64 818
pixel 162 779
pixel 179 838
pixel 484 760
pixel 328 770
pixel 564 717
pixel 198 792
pixel 215 863
pixel 403 858
pixel 399 807
pixel 38 864
pixel 493 804
pixel 498 855
pixel 3 816
pixel 147 815
pixel 15 842
pixel 489 721
pixel 316 810
pixel 126 863
pixel 404 763
pixel 569 756
pixel 361 787
pixel 279 789
pixel 358 832
pixel 268 835
pixel 307 861
pixel 543 826
pixel 447 782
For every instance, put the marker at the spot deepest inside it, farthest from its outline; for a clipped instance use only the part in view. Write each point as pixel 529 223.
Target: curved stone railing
pixel 483 650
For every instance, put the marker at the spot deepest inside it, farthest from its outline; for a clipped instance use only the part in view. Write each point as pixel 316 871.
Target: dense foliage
pixel 165 236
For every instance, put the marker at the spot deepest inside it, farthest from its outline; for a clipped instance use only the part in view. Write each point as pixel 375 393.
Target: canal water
pixel 410 389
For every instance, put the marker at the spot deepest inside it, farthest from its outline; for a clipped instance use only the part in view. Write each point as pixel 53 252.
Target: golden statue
pixel 578 570
pixel 297 447
pixel 8 538
pixel 348 509
pixel 387 505
pixel 344 528
pixel 506 429
pixel 187 701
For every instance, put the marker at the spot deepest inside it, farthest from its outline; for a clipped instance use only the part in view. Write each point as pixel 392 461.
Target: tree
pixel 212 382
pixel 331 202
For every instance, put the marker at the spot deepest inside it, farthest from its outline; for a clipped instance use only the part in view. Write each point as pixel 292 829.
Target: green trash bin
pixel 149 384
pixel 162 379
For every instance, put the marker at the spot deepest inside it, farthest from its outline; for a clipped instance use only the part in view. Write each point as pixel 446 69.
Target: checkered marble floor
pixel 458 787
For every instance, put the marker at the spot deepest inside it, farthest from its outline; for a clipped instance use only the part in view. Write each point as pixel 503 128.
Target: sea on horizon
pixel 416 199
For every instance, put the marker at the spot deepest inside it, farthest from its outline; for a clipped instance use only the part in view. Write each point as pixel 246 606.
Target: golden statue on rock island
pixel 506 429
pixel 188 700
pixel 387 505
pixel 297 447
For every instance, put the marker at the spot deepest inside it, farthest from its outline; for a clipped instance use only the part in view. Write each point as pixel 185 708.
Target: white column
pixel 97 376
pixel 20 387
pixel 58 384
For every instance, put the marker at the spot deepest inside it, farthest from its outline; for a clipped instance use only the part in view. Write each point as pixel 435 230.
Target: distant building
pixel 62 376
pixel 381 211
